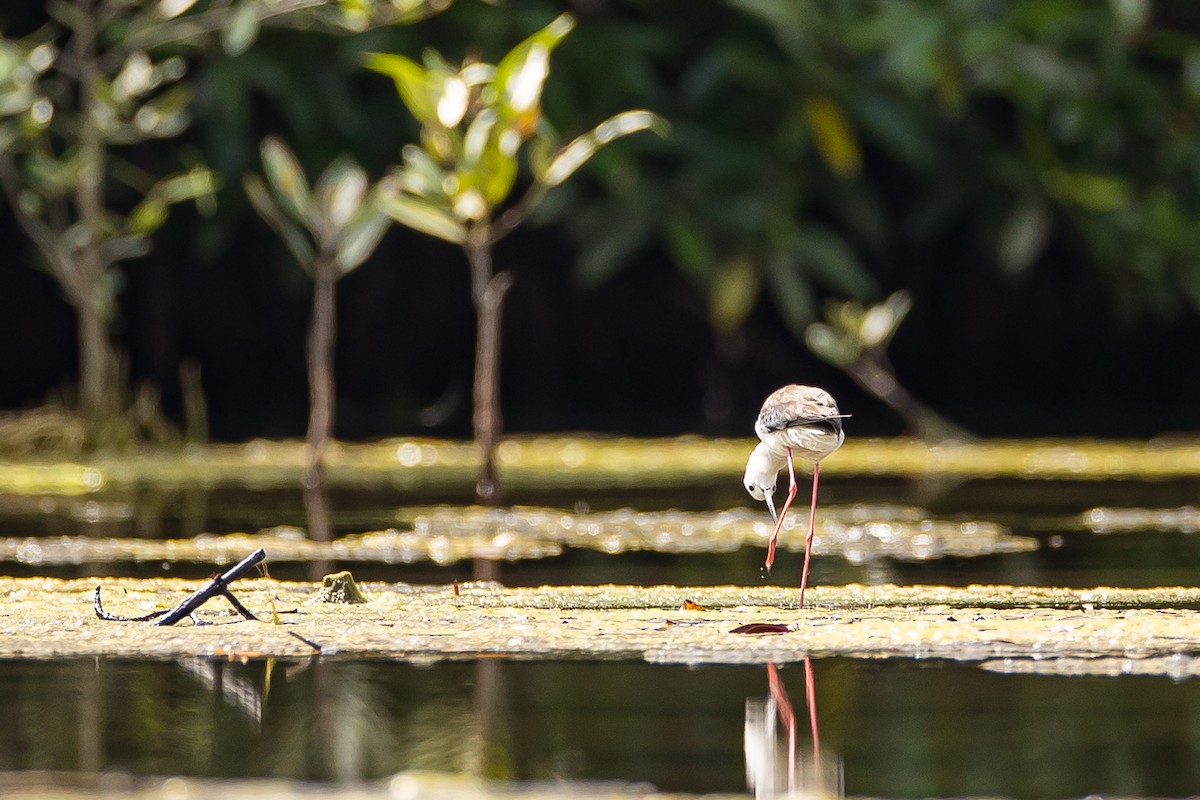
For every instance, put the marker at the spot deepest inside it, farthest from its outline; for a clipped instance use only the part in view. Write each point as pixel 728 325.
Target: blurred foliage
pixel 474 122
pixel 818 150
pixel 814 140
pixel 79 99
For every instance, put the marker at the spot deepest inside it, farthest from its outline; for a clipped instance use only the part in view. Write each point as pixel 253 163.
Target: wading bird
pixel 795 420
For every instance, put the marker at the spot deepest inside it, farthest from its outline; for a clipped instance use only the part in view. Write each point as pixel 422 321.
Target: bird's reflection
pixel 775 769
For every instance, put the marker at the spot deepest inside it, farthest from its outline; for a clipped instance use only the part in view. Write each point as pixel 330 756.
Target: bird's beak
pixel 771 506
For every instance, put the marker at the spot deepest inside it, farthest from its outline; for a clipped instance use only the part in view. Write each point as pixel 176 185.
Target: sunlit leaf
pixel 732 295
pixel 412 82
pixel 340 191
pixel 166 115
pixel 452 103
pixel 476 139
pixel 359 239
pixel 170 9
pixel 520 74
pixel 135 78
pixel 421 175
pixel 469 205
pixel 424 217
pixel 241 28
pixel 829 346
pixel 833 136
pixel 880 322
pixel 287 179
pixel 191 185
pixel 582 148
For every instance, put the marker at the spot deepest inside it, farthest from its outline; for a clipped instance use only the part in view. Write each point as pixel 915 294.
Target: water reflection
pixel 902 728
pixel 775 769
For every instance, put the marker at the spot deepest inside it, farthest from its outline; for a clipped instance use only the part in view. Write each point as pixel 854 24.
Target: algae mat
pixel 49 618
pixel 542 462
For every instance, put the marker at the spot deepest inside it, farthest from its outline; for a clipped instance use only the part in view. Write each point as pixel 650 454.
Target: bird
pixel 794 420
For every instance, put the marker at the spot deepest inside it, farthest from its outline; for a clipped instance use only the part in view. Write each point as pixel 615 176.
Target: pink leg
pixel 783 513
pixel 812 520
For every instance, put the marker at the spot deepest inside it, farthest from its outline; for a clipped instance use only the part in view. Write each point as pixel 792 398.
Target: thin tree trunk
pixel 322 332
pixel 98 365
pixel 487 291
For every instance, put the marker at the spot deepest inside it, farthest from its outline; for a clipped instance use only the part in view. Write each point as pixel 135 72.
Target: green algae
pixel 449 534
pixel 558 461
pixel 340 587
pixel 46 618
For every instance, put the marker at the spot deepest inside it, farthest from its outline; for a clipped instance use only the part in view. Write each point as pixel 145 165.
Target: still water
pixel 897 728
pixel 886 728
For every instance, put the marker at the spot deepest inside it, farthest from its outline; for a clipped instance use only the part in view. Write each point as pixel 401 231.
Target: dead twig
pixel 218 586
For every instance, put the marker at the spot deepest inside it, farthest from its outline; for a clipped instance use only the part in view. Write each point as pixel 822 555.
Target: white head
pixel 762 470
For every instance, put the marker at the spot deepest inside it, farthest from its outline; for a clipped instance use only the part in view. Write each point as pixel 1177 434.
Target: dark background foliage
pixel 1027 171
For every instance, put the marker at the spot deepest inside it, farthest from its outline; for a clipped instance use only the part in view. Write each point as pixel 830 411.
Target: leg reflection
pixel 775 770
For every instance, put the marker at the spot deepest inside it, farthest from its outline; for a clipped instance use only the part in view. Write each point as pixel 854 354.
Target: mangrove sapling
pixel 457 184
pixel 330 230
pixel 78 99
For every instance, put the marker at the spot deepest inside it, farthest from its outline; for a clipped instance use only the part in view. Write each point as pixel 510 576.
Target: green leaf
pixel 1090 190
pixel 340 191
pixel 241 28
pixel 421 174
pixel 166 115
pixel 359 239
pixel 732 294
pixel 148 215
pixel 880 322
pixel 833 136
pixel 453 99
pixel 194 184
pixel 582 148
pixel 287 179
pixel 424 217
pixel 520 74
pixel 293 237
pixel 412 82
pixel 825 343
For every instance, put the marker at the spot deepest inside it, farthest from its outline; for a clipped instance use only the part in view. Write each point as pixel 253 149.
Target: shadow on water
pixel 887 728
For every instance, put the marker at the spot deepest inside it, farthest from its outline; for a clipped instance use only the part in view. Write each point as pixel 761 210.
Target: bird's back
pixel 804 418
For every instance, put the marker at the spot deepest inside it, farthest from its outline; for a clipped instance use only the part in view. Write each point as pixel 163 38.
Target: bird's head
pixel 762 469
